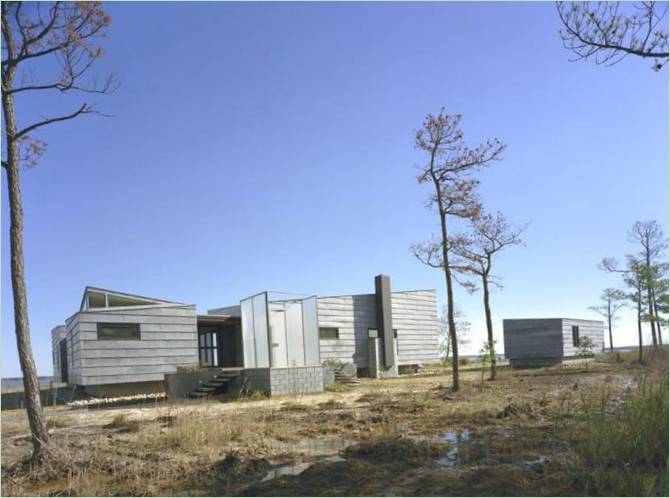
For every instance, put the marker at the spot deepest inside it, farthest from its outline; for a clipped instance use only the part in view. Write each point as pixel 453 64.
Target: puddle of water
pixel 327 450
pixel 450 459
pixel 323 446
pixel 529 464
pixel 298 468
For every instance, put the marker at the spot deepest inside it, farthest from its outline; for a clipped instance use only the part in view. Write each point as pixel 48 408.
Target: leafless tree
pixel 650 236
pixel 68 32
pixel 449 168
pixel 475 252
pixel 610 31
pixel 612 300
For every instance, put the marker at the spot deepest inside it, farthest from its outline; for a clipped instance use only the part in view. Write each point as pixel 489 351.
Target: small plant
pixel 334 363
pixel 192 368
pixel 585 349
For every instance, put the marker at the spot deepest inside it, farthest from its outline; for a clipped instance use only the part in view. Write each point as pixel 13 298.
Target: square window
pixel 329 333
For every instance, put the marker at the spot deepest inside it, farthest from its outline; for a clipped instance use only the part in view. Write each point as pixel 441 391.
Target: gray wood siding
pixel 414 315
pixel 353 316
pixel 533 338
pixel 168 338
pixel 594 329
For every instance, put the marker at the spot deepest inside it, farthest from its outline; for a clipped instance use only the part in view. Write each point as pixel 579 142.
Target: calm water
pixel 14 383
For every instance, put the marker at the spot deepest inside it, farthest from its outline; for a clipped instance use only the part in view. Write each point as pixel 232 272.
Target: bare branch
pixel 84 109
pixel 598 30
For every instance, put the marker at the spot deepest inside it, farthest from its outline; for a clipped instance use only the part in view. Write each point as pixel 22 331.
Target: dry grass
pixel 215 448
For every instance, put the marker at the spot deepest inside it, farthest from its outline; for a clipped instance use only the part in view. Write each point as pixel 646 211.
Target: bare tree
pixel 612 301
pixel 650 236
pixel 449 168
pixel 610 31
pixel 489 235
pixel 31 32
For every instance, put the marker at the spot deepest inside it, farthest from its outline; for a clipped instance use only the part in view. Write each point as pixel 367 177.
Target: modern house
pixel 119 343
pixel 546 341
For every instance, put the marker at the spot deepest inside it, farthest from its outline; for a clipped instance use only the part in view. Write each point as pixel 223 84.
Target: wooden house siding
pixel 168 338
pixel 414 316
pixel 533 338
pixel 593 329
pixel 548 337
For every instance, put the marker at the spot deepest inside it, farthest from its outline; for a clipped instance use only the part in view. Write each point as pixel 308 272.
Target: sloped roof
pixel 121 295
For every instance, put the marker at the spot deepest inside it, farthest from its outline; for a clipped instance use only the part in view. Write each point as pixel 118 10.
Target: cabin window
pixel 329 333
pixel 575 335
pixel 118 331
pixel 209 347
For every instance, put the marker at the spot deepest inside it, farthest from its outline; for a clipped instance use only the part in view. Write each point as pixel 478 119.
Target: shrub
pixel 192 368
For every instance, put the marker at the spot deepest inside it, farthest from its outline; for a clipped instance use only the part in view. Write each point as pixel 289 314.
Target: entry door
pixel 278 336
pixel 63 362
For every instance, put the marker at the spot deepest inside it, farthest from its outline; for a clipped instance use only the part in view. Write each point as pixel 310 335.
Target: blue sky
pixel 270 146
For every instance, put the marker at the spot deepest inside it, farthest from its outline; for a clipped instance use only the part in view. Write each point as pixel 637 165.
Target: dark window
pixel 209 348
pixel 395 333
pixel 575 335
pixel 329 333
pixel 118 331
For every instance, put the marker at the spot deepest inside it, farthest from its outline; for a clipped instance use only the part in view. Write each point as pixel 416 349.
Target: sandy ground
pixel 405 436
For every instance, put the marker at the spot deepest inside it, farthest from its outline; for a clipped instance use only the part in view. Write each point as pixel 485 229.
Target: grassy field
pixel 577 429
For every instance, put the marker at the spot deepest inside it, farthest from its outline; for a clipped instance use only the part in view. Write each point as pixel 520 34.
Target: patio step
pixel 213 385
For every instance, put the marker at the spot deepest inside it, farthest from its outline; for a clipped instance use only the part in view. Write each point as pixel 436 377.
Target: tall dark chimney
pixel 384 320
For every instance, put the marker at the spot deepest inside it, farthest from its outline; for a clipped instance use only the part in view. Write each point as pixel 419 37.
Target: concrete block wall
pixel 283 381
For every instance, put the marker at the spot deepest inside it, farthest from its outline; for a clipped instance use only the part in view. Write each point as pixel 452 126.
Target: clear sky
pixel 270 146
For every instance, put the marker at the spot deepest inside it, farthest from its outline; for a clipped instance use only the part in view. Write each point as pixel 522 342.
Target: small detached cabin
pixel 547 341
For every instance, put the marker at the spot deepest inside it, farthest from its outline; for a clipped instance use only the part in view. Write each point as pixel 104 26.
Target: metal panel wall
pixel 294 334
pixel 248 341
pixel 310 332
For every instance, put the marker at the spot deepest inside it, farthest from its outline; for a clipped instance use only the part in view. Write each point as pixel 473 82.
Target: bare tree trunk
pixel 609 326
pixel 659 329
pixel 639 329
pixel 609 323
pixel 651 318
pixel 40 436
pixel 649 295
pixel 450 303
pixel 489 326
